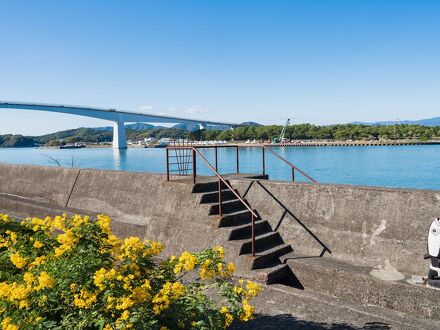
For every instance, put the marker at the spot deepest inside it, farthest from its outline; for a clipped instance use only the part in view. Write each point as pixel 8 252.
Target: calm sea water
pixel 389 166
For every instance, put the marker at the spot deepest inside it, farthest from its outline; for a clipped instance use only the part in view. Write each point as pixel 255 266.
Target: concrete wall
pixel 367 226
pixel 141 204
pixel 50 184
pixel 375 227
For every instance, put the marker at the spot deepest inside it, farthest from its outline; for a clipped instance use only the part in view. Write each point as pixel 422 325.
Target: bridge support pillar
pixel 119 137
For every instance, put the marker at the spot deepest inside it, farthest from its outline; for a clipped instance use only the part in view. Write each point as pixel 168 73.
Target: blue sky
pixel 322 62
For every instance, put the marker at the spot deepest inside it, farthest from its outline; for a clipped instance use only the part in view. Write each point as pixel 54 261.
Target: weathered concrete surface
pixel 365 226
pixel 355 283
pixel 49 184
pixel 167 211
pixel 280 307
pixel 22 207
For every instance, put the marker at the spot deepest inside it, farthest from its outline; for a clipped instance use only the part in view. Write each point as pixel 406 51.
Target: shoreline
pixel 341 143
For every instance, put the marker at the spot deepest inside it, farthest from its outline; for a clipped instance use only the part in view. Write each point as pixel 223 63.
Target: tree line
pixel 265 133
pixel 314 132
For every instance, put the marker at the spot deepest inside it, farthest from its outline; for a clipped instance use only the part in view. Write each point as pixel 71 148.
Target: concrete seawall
pixel 141 204
pixel 375 227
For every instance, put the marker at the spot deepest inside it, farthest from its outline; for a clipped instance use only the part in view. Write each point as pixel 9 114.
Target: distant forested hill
pixel 10 141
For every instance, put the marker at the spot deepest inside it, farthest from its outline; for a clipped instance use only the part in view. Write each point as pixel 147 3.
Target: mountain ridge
pixel 431 122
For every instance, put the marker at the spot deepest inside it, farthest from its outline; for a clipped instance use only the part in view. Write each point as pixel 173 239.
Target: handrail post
pixel 264 165
pixel 293 173
pixel 253 235
pixel 194 165
pixel 216 158
pixel 220 200
pixel 168 165
pixel 236 156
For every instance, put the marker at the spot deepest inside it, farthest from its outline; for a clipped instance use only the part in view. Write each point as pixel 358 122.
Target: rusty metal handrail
pixel 288 163
pixel 221 180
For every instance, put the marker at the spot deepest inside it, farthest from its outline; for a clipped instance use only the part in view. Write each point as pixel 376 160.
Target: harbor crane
pixel 283 133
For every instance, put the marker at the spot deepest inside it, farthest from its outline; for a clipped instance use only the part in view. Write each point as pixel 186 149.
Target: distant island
pixel 138 133
pixel 433 122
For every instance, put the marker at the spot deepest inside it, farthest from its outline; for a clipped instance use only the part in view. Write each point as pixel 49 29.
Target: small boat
pixel 73 146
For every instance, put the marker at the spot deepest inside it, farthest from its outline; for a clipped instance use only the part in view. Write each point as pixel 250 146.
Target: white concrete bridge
pixel 118 117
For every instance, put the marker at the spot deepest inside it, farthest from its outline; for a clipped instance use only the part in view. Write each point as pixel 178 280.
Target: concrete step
pixel 236 218
pixel 245 231
pixel 271 256
pixel 262 243
pixel 276 274
pixel 383 287
pixel 208 186
pixel 212 197
pixel 228 207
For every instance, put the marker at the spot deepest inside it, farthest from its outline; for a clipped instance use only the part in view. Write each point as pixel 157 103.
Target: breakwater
pixel 355 143
pixel 365 225
pixel 368 230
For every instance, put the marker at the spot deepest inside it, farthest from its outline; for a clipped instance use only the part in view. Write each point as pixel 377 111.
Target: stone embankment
pixel 377 237
pixel 344 143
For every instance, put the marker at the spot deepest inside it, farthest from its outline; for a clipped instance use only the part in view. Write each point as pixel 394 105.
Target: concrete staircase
pixel 266 266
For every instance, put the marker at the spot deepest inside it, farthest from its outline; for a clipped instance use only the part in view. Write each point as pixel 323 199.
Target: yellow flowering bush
pixel 73 273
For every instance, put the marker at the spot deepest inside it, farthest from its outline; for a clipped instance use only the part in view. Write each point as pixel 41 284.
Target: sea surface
pixel 415 166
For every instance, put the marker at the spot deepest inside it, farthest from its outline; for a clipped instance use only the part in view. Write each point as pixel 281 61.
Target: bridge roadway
pixel 118 117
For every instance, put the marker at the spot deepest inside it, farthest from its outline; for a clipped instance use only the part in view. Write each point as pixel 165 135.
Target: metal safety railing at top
pixel 293 167
pixel 183 159
pixel 180 149
pixel 186 155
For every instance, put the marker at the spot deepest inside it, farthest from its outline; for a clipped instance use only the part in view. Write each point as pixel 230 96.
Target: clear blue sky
pixel 321 62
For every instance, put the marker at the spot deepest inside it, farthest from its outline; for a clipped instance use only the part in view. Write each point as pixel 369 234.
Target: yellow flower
pixel 18 261
pixel 248 311
pixel 84 299
pixel 125 315
pixel 228 316
pixel 187 261
pixel 154 248
pixel 124 303
pixel 8 325
pixel 59 222
pixel 101 276
pixel 45 281
pixel 253 289
pixel 141 294
pixel 38 244
pixel 205 271
pixel 104 223
pixel 38 261
pixel 4 218
pixel 168 293
pixel 131 247
pixel 230 268
pixel 220 252
pixel 29 278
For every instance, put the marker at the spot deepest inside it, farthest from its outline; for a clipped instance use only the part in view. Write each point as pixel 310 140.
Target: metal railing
pixel 194 172
pixel 293 167
pixel 221 180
